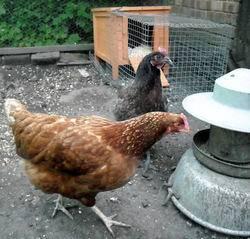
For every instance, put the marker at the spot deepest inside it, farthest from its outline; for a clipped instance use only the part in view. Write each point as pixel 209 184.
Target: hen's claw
pixel 59 207
pixel 108 221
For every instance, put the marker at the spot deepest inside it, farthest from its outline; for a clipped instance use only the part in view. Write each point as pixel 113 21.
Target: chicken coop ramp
pixel 198 48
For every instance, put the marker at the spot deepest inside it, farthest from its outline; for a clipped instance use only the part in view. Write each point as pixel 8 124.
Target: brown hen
pixel 79 157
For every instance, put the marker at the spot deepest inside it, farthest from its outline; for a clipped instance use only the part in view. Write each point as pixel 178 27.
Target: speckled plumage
pixel 79 157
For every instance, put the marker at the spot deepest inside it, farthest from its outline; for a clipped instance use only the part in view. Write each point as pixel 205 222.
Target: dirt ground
pixel 26 213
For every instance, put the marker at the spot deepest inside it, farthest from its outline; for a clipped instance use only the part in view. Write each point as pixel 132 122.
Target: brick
pixel 194 3
pixel 16 59
pixel 187 11
pixel 45 58
pixel 230 18
pixel 232 7
pixel 177 9
pixel 202 14
pixel 217 6
pixel 187 3
pixel 192 12
pixel 209 5
pixel 233 0
pixel 178 2
pixel 233 19
pixel 203 5
pixel 218 17
pixel 221 17
pixel 210 15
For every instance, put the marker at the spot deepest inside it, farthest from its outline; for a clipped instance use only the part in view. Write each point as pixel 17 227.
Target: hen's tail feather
pixel 11 106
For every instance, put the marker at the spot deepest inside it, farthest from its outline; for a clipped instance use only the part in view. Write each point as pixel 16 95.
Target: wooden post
pixel 111 34
pixel 161 39
pixel 115 44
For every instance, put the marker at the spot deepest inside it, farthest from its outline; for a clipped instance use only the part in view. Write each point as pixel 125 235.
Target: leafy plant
pixel 46 22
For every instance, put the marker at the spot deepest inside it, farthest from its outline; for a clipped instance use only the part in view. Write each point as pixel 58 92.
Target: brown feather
pixel 79 157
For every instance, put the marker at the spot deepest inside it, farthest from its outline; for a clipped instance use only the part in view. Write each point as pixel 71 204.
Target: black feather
pixel 144 94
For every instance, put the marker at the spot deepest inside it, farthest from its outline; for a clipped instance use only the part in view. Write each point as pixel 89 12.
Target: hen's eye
pixel 158 57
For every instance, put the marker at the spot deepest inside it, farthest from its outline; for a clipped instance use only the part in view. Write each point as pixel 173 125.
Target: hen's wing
pixel 71 145
pixel 76 150
pixel 33 132
pixel 130 104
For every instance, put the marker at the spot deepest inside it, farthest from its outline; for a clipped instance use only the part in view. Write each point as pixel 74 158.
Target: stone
pixel 84 73
pixel 45 58
pixel 16 59
pixel 145 203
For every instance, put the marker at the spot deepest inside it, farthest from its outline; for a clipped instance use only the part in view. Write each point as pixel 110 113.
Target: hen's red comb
pixel 162 50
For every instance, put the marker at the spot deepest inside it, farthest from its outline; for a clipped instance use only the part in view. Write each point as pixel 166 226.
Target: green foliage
pixel 46 22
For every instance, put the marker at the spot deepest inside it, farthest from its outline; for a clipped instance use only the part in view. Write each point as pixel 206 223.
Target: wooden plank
pixel 129 9
pixel 104 9
pixel 161 39
pixel 125 39
pixel 30 50
pixel 115 53
pixel 111 33
pixel 146 10
pixel 103 57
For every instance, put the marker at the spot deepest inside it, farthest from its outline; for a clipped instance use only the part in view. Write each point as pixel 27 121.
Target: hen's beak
pixel 166 59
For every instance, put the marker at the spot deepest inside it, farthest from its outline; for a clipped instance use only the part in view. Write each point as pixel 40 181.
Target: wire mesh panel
pixel 198 48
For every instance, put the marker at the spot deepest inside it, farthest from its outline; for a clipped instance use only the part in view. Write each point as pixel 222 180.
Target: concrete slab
pixel 16 59
pixel 45 58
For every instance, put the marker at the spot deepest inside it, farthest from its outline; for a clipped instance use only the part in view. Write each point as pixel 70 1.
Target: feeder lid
pixel 228 106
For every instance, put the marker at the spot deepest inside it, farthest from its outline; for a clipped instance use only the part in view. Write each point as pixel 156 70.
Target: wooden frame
pixel 111 41
pixel 36 49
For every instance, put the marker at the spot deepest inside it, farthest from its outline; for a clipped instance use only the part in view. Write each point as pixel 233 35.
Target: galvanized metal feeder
pixel 211 184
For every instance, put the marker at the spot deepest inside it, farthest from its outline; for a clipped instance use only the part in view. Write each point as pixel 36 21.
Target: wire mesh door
pixel 198 48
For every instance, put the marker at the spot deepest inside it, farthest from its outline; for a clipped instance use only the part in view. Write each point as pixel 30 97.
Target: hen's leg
pixel 59 207
pixel 108 220
pixel 147 163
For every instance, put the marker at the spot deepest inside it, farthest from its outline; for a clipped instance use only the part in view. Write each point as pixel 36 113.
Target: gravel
pixel 26 212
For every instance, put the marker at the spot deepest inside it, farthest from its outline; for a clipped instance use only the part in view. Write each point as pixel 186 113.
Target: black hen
pixel 145 93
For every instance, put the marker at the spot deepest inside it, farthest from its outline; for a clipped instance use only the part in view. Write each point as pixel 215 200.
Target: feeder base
pixel 218 202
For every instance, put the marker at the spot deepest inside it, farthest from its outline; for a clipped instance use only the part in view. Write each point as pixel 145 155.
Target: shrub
pixel 48 22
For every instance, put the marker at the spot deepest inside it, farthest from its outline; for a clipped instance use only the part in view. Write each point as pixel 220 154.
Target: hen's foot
pixel 108 221
pixel 59 207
